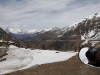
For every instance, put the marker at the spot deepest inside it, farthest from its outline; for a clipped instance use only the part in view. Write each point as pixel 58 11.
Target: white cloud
pixel 14 23
pixel 39 14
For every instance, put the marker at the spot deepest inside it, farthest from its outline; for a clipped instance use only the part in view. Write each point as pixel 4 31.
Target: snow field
pixel 21 58
pixel 47 56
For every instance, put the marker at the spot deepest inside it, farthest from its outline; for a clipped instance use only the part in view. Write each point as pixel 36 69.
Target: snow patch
pixel 89 17
pixel 75 24
pixel 32 31
pixel 91 33
pixel 19 31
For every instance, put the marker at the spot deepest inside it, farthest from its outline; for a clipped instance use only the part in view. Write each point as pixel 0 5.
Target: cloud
pixel 14 23
pixel 40 14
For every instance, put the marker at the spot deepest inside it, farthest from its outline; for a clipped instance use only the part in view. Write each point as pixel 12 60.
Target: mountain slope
pixel 88 28
pixel 6 40
pixel 4 36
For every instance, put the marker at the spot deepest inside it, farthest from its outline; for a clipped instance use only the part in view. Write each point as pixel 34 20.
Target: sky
pixel 40 14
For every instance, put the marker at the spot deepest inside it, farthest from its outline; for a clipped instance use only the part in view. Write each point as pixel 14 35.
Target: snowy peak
pixel 13 30
pixel 57 29
pixel 19 31
pixel 49 29
pixel 32 31
pixel 90 17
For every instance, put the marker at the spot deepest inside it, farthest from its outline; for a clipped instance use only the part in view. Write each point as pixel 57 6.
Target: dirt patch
pixel 3 52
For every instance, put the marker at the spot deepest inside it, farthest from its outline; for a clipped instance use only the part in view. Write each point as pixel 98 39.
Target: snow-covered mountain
pixel 88 28
pixel 87 18
pixel 19 33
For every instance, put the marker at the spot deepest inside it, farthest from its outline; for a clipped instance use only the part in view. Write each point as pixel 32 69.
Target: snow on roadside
pixel 21 58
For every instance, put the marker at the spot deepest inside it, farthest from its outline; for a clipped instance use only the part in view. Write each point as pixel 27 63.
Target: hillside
pixel 6 40
pixel 4 37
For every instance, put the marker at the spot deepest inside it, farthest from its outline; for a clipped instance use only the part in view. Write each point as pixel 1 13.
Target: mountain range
pixel 25 34
pixel 19 33
pixel 83 32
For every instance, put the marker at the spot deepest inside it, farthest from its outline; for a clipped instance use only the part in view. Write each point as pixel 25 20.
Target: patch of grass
pixel 73 66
